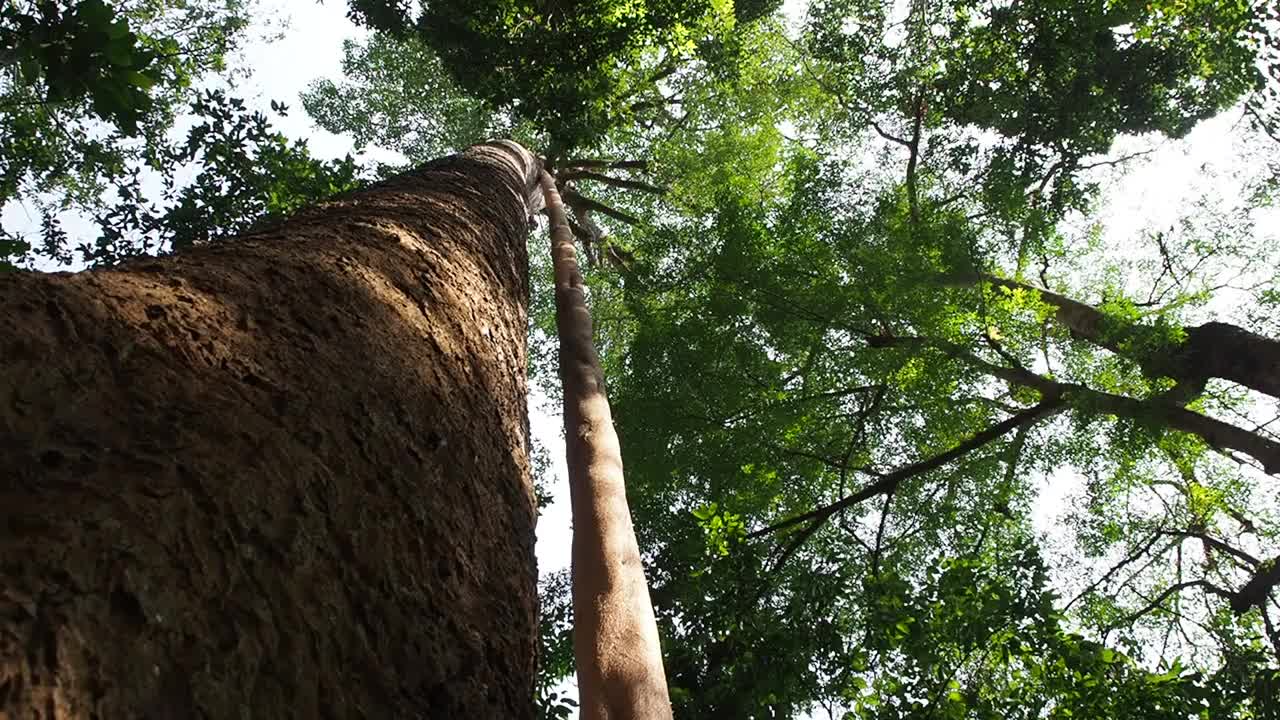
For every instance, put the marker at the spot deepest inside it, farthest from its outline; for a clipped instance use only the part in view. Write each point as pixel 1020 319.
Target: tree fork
pixel 281 476
pixel 1214 349
pixel 615 635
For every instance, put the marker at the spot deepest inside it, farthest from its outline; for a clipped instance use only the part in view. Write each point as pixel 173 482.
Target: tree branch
pixel 1216 433
pixel 1246 558
pixel 888 136
pixel 891 481
pixel 605 164
pixel 1255 592
pixel 1214 349
pixel 913 191
pixel 1172 590
pixel 1132 557
pixel 579 201
pixel 617 182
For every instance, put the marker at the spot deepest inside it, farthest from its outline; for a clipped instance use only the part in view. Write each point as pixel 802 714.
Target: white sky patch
pixel 555 523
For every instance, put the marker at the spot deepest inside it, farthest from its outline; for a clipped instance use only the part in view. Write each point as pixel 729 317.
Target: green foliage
pixel 574 70
pixel 764 375
pixel 85 50
pixel 397 94
pixel 980 638
pixel 1008 99
pixel 1071 74
pixel 94 88
pixel 555 647
pixel 246 176
pixel 807 397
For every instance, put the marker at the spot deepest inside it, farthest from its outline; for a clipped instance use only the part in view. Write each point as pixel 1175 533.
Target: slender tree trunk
pixel 284 476
pixel 615 636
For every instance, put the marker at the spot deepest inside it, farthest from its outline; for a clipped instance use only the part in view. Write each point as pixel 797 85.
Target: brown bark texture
pixel 615 635
pixel 281 476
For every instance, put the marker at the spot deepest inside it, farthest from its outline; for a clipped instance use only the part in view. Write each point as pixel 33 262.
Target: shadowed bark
pixel 1258 589
pixel 615 635
pixel 281 476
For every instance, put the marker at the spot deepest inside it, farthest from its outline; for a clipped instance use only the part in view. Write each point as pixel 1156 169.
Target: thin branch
pixel 800 400
pixel 1246 558
pixel 1172 590
pixel 1138 552
pixel 884 516
pixel 1217 434
pixel 617 182
pixel 605 164
pixel 888 136
pixel 890 482
pixel 1114 161
pixel 1272 635
pixel 913 160
pixel 577 200
pixel 1262 123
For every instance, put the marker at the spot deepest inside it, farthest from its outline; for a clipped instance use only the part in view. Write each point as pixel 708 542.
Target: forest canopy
pixel 919 420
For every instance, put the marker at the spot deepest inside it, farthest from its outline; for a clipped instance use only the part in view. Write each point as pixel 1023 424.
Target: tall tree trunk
pixel 284 476
pixel 615 636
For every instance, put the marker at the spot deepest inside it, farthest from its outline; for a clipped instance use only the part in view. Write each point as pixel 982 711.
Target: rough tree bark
pixel 284 476
pixel 615 635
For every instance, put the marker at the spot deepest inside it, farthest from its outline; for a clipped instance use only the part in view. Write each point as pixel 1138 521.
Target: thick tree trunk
pixel 284 476
pixel 615 635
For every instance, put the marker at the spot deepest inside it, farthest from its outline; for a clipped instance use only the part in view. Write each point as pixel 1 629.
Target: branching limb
pixel 1139 551
pixel 578 201
pixel 616 182
pixel 640 165
pixel 1248 560
pixel 1217 434
pixel 890 482
pixel 1258 589
pixel 1170 591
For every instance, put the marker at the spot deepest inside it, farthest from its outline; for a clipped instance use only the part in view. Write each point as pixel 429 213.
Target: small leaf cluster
pixel 84 49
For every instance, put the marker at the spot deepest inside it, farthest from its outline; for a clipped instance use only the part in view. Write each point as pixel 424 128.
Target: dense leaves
pixel 395 93
pixel 248 176
pixel 83 50
pixel 576 70
pixel 90 91
pixel 240 174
